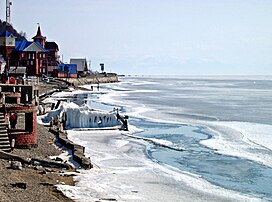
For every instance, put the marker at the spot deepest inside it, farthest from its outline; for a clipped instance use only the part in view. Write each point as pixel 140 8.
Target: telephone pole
pixel 8 11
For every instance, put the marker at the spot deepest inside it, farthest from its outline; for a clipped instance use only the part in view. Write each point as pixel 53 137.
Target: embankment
pixel 92 79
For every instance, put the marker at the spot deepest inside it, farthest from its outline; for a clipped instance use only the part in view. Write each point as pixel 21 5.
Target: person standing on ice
pixel 51 122
pixel 64 119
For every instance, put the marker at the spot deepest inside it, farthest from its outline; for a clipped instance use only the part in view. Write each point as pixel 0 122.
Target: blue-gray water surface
pixel 209 99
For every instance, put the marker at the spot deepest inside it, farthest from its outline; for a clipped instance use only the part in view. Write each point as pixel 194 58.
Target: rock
pixel 49 170
pixel 16 165
pixel 43 172
pixel 46 184
pixel 21 185
pixel 58 159
pixel 107 199
pixel 37 167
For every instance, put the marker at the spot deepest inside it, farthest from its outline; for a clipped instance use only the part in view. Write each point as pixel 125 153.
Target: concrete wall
pixel 77 150
pixel 26 138
pixel 101 78
pixel 22 89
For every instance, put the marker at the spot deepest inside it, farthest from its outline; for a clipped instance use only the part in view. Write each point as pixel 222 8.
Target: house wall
pixel 7 41
pixel 81 64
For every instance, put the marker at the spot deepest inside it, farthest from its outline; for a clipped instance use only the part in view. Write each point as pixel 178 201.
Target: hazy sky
pixel 155 36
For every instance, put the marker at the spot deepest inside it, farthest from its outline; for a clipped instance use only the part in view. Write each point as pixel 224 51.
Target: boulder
pixel 16 165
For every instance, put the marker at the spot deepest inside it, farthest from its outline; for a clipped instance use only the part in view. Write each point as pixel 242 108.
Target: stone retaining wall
pixel 100 78
pixel 77 150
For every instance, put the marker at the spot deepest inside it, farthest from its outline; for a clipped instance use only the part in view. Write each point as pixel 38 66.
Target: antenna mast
pixel 8 5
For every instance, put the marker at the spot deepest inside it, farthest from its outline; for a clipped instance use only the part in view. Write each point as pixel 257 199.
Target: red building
pixel 7 45
pixel 30 55
pixel 20 100
pixel 52 58
pixel 33 55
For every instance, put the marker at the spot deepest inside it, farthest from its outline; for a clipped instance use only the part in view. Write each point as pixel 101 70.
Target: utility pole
pixel 89 65
pixel 8 11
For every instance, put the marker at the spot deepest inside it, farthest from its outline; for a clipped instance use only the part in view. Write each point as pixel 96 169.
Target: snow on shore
pixel 123 172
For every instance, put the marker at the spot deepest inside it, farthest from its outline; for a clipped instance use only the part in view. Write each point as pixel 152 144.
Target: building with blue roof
pixel 6 34
pixel 33 55
pixel 7 45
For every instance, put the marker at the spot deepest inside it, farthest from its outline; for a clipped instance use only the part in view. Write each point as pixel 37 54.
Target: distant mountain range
pixel 9 28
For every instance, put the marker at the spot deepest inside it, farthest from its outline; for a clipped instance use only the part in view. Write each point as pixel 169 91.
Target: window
pixel 44 55
pixel 23 55
pixel 29 55
pixel 33 56
pixel 31 62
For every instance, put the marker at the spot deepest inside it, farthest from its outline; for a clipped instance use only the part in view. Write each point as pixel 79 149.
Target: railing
pixel 31 80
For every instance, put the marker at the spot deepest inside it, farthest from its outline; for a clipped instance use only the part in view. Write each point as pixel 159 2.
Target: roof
pixel 80 62
pixel 41 46
pixel 39 34
pixel 22 45
pixel 6 34
pixel 51 46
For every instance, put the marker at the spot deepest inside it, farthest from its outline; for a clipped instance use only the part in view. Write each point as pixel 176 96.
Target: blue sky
pixel 200 37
